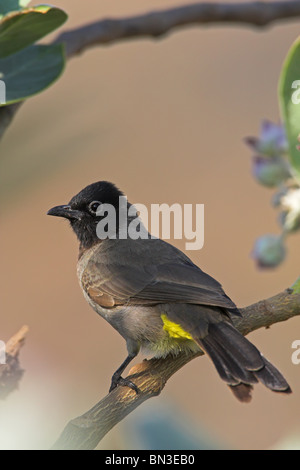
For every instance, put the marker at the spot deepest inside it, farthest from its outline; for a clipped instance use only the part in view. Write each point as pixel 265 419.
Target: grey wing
pixel 185 284
pixel 114 284
pixel 152 272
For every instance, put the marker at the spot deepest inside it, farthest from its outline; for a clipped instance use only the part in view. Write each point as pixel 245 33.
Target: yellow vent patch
pixel 174 330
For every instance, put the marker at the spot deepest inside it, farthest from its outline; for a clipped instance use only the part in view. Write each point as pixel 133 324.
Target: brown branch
pixel 86 431
pixel 159 23
pixel 11 372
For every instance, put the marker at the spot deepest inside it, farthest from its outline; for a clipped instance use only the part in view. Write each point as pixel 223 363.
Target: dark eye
pixel 93 206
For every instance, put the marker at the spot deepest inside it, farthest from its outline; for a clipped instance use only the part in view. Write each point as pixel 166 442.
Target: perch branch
pixel 11 372
pixel 159 23
pixel 86 431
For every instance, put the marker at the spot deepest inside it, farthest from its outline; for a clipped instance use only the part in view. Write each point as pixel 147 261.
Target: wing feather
pixel 141 275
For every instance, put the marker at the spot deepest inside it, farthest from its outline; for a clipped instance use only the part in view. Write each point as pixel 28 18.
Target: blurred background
pixel 165 121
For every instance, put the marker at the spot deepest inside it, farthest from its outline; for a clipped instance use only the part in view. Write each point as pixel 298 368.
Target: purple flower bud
pixel 269 251
pixel 270 171
pixel 272 140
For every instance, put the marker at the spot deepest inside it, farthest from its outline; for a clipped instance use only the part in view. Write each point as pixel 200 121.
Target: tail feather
pixel 219 363
pixel 272 378
pixel 237 345
pixel 229 362
pixel 243 392
pixel 239 363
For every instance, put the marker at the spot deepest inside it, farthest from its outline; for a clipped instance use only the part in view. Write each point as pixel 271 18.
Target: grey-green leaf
pixel 7 6
pixel 31 70
pixel 289 98
pixel 22 28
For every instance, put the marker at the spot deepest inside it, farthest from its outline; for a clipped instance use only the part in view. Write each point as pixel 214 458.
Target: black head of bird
pixel 82 210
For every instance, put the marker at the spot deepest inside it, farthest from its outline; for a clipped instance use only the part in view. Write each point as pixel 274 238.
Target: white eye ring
pixel 93 206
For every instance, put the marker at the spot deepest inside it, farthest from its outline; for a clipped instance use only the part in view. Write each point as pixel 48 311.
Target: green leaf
pixel 289 99
pixel 31 70
pixel 6 6
pixel 296 287
pixel 22 28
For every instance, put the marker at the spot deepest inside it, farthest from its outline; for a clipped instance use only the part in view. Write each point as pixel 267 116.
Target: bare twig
pixel 159 23
pixel 86 431
pixel 11 372
pixel 7 113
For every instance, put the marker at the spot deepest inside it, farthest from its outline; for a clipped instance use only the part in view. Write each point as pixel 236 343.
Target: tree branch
pixel 86 431
pixel 159 23
pixel 7 113
pixel 11 372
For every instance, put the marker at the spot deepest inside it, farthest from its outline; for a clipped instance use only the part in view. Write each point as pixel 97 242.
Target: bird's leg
pixel 118 380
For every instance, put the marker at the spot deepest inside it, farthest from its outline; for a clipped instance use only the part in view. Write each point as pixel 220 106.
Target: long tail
pixel 239 363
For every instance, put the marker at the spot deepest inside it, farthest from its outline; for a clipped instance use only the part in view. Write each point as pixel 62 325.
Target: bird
pixel 156 298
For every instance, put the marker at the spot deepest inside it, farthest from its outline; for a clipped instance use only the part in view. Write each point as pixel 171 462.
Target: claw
pixel 115 381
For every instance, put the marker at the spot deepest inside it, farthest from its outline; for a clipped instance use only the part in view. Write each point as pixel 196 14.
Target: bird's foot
pixel 118 380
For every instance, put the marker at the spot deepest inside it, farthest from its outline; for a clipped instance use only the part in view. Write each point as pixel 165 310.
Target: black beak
pixel 65 211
